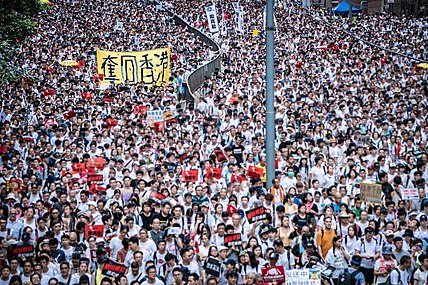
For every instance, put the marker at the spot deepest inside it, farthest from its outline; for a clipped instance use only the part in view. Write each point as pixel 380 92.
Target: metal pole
pixel 350 14
pixel 270 112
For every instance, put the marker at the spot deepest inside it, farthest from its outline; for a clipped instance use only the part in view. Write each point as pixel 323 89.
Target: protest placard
pixel 410 194
pixel 113 269
pixel 302 276
pixel 23 250
pixel 232 239
pixel 255 172
pixel 140 109
pixel 256 214
pixel 157 197
pixel 371 193
pixel 213 172
pixel 273 274
pixel 151 66
pixel 94 230
pixel 190 175
pixel 96 162
pixel 213 266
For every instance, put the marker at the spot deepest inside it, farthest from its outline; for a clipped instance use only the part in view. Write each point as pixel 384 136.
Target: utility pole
pixel 270 111
pixel 350 14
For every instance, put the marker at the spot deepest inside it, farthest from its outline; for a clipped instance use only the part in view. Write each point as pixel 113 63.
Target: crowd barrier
pixel 197 76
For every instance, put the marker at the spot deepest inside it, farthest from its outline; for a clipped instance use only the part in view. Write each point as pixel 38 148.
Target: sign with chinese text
pixel 232 239
pixel 273 274
pixel 305 276
pixel 94 230
pixel 256 214
pixel 150 66
pixel 371 193
pixel 20 251
pixel 213 266
pixel 113 269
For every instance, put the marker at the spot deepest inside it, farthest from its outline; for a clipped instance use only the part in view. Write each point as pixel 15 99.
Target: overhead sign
pixel 150 67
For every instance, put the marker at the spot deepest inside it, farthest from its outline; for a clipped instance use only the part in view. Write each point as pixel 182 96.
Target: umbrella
pixel 423 65
pixel 69 63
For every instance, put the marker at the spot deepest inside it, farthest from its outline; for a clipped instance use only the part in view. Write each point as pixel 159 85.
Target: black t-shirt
pixel 238 151
pixel 162 219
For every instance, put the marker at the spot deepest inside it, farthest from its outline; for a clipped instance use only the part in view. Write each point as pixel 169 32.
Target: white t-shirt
pixel 367 248
pixel 404 277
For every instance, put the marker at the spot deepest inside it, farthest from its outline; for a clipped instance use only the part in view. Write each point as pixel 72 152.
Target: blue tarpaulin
pixel 343 8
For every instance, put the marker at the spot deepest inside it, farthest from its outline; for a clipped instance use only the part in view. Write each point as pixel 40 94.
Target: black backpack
pixel 348 278
pixel 388 281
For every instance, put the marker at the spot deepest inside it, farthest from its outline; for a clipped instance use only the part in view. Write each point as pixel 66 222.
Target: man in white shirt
pixel 399 275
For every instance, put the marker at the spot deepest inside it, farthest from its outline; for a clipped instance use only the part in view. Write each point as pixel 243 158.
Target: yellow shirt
pixel 325 241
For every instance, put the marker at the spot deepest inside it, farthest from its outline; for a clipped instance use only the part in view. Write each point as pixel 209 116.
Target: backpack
pixel 388 281
pixel 348 278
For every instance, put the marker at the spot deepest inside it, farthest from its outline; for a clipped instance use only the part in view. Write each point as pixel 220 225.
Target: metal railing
pixel 197 77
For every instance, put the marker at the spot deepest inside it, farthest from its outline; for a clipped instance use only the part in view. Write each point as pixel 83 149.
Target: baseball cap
pixel 369 230
pixel 389 233
pixel 423 218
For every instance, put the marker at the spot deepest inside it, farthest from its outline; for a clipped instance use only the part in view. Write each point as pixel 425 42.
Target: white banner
pixel 212 19
pixel 223 24
pixel 240 24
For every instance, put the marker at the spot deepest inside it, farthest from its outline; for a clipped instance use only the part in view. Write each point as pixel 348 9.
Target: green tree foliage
pixel 16 23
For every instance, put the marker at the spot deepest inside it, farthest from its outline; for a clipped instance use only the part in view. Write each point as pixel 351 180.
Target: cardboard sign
pixel 157 197
pixel 255 172
pixel 410 194
pixel 232 239
pixel 213 267
pixel 256 214
pixel 140 109
pixel 274 274
pixel 190 175
pixel 113 269
pixel 97 162
pixel 25 250
pixel 94 230
pixel 371 193
pixel 213 173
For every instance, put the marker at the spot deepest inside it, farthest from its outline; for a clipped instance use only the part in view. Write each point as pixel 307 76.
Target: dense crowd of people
pixel 88 201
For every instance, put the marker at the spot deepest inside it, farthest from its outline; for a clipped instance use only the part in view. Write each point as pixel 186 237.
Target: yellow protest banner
pixel 150 66
pixel 371 193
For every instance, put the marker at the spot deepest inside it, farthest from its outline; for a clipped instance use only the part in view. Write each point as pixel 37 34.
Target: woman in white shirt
pixel 337 257
pixel 350 241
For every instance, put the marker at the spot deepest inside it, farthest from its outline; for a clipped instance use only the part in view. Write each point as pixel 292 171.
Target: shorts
pixel 368 274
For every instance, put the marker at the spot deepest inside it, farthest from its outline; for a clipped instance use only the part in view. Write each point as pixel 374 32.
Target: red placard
pixel 255 172
pixel 49 122
pixel 111 123
pixel 96 188
pixel 220 157
pixel 94 230
pixel 213 173
pixel 96 162
pixel 190 175
pixel 107 99
pixel 231 209
pixel 69 115
pixel 78 167
pixel 273 274
pixel 140 109
pixel 237 178
pixel 159 127
pixel 157 197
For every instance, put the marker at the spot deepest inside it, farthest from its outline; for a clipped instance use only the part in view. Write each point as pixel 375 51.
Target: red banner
pixel 95 177
pixel 49 122
pixel 113 269
pixel 96 188
pixel 237 178
pixel 111 123
pixel 78 167
pixel 190 175
pixel 220 157
pixel 69 115
pixel 158 127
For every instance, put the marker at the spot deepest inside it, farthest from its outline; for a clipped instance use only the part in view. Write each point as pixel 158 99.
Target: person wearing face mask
pixel 289 180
